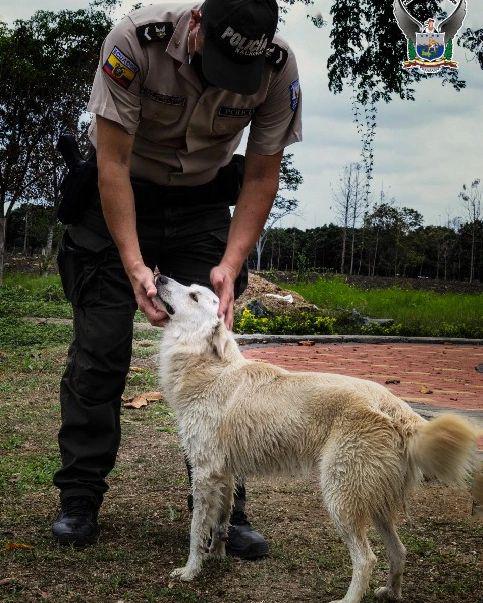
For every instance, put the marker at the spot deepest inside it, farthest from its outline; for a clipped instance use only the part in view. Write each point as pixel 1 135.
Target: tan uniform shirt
pixel 183 133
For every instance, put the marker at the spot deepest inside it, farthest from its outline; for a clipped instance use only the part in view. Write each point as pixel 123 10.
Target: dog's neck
pixel 206 340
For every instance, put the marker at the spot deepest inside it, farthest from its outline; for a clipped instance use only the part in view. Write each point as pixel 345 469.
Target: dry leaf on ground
pixel 395 381
pixel 137 369
pixel 425 390
pixel 142 399
pixel 12 546
pixel 306 343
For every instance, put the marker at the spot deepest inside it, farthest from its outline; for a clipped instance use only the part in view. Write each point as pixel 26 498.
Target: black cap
pixel 237 34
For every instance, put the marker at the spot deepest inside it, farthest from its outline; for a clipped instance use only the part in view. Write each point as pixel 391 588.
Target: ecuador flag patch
pixel 120 68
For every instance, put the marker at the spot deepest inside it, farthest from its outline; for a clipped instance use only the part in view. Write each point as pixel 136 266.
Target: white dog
pixel 238 417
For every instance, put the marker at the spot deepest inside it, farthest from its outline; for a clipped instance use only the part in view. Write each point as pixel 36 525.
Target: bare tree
pixel 471 197
pixel 357 209
pixel 348 198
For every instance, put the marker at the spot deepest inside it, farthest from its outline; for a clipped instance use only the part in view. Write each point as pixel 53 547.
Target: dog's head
pixel 193 314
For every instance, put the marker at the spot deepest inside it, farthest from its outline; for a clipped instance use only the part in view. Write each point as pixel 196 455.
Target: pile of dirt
pixel 258 297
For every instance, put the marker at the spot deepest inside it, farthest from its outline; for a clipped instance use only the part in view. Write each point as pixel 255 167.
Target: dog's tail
pixel 444 448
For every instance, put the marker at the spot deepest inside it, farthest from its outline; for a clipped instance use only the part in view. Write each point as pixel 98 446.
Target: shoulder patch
pixel 276 55
pixel 120 68
pixel 294 94
pixel 154 32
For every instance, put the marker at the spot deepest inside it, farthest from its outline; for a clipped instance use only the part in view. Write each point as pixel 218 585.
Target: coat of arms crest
pixel 430 45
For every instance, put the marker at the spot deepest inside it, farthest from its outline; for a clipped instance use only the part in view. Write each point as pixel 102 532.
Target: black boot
pixel 243 541
pixel 76 523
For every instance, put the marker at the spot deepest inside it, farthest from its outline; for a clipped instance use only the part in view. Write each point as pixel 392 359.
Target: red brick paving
pixel 447 371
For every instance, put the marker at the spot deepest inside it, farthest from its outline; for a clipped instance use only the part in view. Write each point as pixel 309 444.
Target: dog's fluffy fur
pixel 238 418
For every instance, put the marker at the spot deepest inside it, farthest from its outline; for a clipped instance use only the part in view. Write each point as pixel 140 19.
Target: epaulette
pixel 154 32
pixel 276 56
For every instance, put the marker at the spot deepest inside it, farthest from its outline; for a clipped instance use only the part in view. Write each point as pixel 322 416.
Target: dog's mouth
pixel 167 306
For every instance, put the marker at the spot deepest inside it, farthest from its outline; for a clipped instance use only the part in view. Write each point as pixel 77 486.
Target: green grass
pixel 33 295
pixel 416 313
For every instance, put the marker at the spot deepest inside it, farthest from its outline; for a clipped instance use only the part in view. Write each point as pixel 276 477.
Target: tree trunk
pixel 342 257
pixel 352 249
pixel 472 260
pixel 50 240
pixel 3 223
pixel 259 253
pixel 26 232
pixel 375 254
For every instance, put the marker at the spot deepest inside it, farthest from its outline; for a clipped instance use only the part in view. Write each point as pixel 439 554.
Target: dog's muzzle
pixel 160 283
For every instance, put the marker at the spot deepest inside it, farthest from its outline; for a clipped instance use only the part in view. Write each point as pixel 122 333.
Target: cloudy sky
pixel 425 150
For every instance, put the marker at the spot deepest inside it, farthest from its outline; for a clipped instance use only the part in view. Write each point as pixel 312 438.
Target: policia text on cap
pixel 175 87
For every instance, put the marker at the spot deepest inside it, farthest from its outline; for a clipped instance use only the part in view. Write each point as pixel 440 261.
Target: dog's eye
pixel 194 297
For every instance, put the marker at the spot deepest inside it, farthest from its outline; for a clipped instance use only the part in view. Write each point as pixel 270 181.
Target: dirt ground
pixel 145 521
pixel 262 290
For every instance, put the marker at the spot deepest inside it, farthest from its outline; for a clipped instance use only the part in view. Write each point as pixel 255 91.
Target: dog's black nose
pixel 161 280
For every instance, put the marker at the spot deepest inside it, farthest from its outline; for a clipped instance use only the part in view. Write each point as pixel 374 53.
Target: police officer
pixel 175 87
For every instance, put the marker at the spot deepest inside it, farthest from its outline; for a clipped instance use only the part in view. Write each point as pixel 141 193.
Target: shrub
pixel 303 323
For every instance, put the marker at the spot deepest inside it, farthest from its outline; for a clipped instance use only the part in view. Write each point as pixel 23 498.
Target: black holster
pixel 78 188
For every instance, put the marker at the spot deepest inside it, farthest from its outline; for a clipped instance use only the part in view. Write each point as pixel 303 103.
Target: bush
pixel 303 323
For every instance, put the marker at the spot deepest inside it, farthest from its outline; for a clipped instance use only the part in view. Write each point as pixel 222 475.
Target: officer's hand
pixel 142 281
pixel 223 280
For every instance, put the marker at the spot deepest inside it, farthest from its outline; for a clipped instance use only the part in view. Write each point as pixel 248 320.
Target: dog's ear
pixel 220 340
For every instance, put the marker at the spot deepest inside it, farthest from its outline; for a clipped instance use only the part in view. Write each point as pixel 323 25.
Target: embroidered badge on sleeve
pixel 294 94
pixel 120 68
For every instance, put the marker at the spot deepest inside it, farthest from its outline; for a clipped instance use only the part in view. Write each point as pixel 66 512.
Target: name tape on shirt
pixel 236 111
pixel 294 94
pixel 154 32
pixel 165 99
pixel 120 68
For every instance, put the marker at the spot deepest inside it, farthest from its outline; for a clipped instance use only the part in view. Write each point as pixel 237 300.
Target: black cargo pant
pixel 185 241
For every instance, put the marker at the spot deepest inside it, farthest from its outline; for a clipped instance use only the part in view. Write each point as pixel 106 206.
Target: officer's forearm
pixel 251 212
pixel 118 207
pixel 260 186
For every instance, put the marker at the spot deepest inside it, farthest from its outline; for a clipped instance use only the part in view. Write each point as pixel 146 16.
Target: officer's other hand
pixel 142 281
pixel 223 280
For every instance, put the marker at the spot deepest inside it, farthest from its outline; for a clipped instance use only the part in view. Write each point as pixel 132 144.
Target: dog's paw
pixel 217 551
pixel 385 594
pixel 185 573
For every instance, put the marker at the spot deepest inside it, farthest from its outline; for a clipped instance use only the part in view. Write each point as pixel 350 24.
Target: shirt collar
pixel 178 45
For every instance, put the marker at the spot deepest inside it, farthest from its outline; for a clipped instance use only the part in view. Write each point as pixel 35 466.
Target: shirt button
pixel 176 43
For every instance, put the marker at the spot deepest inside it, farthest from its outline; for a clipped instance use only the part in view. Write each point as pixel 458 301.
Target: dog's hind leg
pixel 220 529
pixel 348 509
pixel 397 558
pixel 362 557
pixel 207 497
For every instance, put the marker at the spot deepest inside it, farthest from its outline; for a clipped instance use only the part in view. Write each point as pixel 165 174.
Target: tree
pixel 471 197
pixel 356 210
pixel 290 180
pixel 47 65
pixel 347 198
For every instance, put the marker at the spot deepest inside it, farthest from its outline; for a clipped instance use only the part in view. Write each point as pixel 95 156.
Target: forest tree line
pixel 390 241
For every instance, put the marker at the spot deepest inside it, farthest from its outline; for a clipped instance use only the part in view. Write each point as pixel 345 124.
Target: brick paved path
pixel 437 375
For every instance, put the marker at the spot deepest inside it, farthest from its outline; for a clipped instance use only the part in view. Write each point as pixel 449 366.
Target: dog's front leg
pixel 206 508
pixel 220 529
